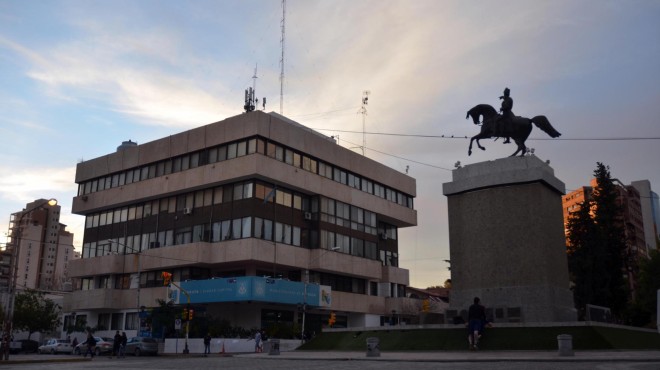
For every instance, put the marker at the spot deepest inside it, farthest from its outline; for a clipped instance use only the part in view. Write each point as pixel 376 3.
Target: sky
pixel 79 77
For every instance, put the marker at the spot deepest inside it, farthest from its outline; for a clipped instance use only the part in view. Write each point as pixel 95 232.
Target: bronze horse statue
pixel 517 129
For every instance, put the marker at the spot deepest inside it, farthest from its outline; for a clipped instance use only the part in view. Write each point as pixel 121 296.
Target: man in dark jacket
pixel 476 321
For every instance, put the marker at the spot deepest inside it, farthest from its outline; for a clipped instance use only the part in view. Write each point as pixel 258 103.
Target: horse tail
pixel 543 123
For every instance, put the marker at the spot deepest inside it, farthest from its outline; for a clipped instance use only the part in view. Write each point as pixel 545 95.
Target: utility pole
pixel 282 26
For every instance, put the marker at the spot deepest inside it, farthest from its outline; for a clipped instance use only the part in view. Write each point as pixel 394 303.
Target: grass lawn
pixel 529 338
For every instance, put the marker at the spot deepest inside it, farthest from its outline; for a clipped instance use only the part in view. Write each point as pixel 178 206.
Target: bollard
pixel 274 347
pixel 565 343
pixel 373 349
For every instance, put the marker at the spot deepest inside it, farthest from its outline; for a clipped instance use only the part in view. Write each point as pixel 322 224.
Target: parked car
pixel 23 346
pixel 103 345
pixel 141 346
pixel 54 346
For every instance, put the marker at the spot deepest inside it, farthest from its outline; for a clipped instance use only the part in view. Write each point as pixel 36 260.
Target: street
pixel 275 363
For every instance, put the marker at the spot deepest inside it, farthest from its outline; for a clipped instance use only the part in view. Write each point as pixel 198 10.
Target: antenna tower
pixel 254 80
pixel 282 23
pixel 363 112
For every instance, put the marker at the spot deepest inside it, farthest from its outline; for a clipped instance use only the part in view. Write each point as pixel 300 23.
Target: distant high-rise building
pixel 650 213
pixel 44 248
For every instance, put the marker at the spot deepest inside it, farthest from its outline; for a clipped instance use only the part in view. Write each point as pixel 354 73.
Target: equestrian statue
pixel 506 125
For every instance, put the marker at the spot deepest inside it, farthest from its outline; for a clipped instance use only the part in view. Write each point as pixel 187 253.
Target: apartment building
pixel 44 248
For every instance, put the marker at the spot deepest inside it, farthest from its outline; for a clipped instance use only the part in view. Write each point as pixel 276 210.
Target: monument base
pixel 507 244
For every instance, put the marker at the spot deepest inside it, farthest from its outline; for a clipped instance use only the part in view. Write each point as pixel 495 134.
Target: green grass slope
pixel 530 338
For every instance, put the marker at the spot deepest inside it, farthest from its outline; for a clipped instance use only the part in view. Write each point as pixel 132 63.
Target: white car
pixel 54 346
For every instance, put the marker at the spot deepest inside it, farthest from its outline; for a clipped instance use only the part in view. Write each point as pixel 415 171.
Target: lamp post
pixel 13 271
pixel 139 272
pixel 304 305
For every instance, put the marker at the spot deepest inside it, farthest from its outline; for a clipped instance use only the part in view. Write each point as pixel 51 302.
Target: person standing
pixel 91 345
pixel 476 320
pixel 116 344
pixel 257 341
pixel 207 344
pixel 122 346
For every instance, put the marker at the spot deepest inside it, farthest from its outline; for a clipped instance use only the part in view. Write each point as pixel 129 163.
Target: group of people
pixel 118 346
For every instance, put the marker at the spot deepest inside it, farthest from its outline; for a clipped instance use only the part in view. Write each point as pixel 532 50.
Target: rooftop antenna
pixel 250 100
pixel 363 112
pixel 282 23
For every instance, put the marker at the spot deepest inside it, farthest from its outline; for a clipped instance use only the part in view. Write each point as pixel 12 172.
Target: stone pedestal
pixel 507 243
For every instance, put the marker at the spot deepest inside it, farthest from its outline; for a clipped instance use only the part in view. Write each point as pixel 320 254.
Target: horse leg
pixel 470 148
pixel 479 145
pixel 521 148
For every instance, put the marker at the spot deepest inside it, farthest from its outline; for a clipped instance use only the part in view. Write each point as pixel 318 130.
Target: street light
pixel 9 323
pixel 304 305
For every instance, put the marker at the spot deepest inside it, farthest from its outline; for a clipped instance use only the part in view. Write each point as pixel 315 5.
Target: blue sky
pixel 79 77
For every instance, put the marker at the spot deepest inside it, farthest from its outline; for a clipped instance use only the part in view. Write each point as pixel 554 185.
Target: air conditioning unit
pixel 383 236
pixel 308 215
pixel 187 211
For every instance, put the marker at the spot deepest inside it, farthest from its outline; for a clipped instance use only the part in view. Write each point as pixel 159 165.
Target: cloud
pixel 24 185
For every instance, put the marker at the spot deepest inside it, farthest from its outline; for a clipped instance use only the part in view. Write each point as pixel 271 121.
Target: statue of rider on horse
pixel 506 125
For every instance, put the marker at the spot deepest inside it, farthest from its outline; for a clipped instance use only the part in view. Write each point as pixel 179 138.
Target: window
pixel 131 322
pixel 231 151
pixel 87 283
pixel 123 281
pixel 117 321
pixel 103 322
pixel 246 227
pixel 105 282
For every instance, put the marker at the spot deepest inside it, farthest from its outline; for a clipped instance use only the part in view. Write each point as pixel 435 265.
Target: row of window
pixel 331 211
pixel 197 199
pixel 240 228
pixel 238 149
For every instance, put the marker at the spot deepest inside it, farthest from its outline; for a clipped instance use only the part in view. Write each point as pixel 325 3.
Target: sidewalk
pixel 480 356
pixel 408 356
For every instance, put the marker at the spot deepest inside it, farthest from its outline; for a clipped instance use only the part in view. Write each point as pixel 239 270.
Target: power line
pixel 467 137
pixel 398 157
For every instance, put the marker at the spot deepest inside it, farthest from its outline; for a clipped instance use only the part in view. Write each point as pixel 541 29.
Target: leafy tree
pixel 643 310
pixel 80 325
pixel 35 313
pixel 597 248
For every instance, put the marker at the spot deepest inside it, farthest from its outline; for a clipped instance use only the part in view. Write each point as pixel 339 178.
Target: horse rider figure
pixel 507 116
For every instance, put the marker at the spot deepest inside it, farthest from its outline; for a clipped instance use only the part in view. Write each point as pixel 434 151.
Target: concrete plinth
pixel 507 243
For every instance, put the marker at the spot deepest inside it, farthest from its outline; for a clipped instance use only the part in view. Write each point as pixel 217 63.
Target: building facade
pixel 632 221
pixel 45 249
pixel 650 213
pixel 254 199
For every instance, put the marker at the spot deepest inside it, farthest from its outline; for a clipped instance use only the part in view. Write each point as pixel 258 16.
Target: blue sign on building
pixel 254 288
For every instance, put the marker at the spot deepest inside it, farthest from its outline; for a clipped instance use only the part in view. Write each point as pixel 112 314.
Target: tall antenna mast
pixel 254 80
pixel 363 112
pixel 282 23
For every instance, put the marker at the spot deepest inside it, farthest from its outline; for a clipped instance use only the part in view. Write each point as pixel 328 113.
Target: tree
pixel 596 249
pixel 35 313
pixel 643 310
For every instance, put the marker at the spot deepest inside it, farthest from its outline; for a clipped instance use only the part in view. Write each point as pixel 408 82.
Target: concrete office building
pixel 251 200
